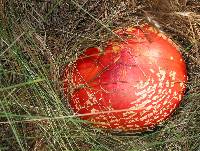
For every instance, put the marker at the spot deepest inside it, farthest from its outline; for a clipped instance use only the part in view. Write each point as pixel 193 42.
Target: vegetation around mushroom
pixel 39 37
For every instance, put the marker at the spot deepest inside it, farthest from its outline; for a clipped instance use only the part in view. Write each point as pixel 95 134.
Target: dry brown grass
pixel 38 39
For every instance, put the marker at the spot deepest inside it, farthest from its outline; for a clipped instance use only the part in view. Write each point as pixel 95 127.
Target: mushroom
pixel 134 85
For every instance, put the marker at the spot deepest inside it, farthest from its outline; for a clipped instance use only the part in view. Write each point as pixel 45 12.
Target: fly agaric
pixel 135 84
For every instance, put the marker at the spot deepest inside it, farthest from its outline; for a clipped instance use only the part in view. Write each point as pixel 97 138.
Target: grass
pixel 38 39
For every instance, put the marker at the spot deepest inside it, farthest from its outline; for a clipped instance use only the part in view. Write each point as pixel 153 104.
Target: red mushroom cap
pixel 132 86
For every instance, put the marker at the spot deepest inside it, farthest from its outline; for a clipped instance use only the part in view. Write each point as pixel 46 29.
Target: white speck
pixel 142 84
pixel 94 110
pixel 149 88
pixel 155 97
pixel 164 91
pixel 143 118
pixel 129 125
pixel 141 92
pixel 167 83
pixel 172 74
pixel 152 93
pixel 137 101
pixel 161 119
pixel 150 114
pixel 171 58
pixel 175 94
pixel 137 125
pixel 147 122
pixel 174 106
pixel 172 84
pixel 182 85
pixel 159 91
pixel 149 107
pixel 146 102
pixel 88 103
pixel 156 117
pixel 171 110
pixel 152 70
pixel 160 85
pixel 129 113
pixel 179 96
pixel 161 74
pixel 155 111
pixel 158 106
pixel 165 102
pixel 163 96
pixel 114 121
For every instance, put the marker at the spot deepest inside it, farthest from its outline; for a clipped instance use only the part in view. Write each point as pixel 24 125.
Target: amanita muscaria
pixel 133 85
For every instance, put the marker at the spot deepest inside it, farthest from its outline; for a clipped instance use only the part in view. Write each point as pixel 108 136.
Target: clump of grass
pixel 38 39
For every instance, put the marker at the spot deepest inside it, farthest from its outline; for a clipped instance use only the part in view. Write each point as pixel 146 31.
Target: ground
pixel 39 38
